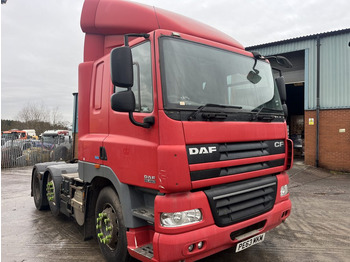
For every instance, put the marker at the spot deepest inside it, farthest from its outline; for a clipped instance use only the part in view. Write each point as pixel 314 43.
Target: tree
pixel 11 124
pixel 34 113
pixel 56 117
pixel 37 116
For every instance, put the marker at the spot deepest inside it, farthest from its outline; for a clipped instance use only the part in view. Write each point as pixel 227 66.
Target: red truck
pixel 182 143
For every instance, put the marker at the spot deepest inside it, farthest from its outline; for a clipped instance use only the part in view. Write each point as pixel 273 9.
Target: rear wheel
pixel 39 193
pixel 53 193
pixel 110 227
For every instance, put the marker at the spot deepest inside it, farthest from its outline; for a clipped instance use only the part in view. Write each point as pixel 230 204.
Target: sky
pixel 42 43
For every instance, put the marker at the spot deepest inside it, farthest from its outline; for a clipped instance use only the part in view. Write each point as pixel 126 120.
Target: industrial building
pixel 318 96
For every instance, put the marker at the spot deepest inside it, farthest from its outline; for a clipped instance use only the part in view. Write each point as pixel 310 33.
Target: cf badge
pixel 279 144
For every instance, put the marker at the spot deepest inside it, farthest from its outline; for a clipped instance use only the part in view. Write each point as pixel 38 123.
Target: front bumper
pixel 174 247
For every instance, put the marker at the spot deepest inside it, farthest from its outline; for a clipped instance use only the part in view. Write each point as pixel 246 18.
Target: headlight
pixel 284 190
pixel 183 218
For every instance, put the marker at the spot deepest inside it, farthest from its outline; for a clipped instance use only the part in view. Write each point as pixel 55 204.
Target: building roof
pixel 301 38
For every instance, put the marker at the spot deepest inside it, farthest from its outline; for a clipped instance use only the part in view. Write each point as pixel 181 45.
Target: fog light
pixel 200 245
pixel 178 219
pixel 190 248
pixel 284 190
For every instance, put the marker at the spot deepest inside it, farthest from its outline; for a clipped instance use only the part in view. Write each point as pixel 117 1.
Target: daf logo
pixel 202 150
pixel 149 179
pixel 279 144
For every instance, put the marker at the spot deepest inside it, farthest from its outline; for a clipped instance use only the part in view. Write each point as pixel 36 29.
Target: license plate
pixel 250 242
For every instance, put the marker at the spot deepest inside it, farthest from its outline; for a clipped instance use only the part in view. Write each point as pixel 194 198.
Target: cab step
pixel 146 251
pixel 145 214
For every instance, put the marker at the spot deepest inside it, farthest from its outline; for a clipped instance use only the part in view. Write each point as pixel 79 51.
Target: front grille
pixel 225 171
pixel 231 151
pixel 242 200
pixel 243 150
pixel 206 153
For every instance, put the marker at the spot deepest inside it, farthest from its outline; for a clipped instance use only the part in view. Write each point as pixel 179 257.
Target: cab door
pixel 132 150
pixel 98 123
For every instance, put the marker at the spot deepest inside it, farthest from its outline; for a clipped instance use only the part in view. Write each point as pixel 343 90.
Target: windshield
pixel 13 135
pixel 7 136
pixel 194 75
pixel 50 139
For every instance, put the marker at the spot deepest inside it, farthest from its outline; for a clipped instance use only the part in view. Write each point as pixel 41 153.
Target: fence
pixel 18 153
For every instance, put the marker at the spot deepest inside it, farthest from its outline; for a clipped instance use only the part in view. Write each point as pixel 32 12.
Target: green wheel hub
pixel 107 227
pixel 50 191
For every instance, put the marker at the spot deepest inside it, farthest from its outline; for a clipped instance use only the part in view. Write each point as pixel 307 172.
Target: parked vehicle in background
pixel 21 152
pixel 15 134
pixel 30 133
pixel 17 151
pixel 59 142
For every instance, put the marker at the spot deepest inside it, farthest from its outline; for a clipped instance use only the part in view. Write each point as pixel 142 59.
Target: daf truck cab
pixel 183 146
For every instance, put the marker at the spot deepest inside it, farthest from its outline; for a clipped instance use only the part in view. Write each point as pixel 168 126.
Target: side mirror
pixel 123 101
pixel 122 67
pixel 122 75
pixel 281 88
pixel 254 77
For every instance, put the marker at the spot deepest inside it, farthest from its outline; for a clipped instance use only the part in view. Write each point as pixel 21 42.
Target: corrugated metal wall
pixel 335 68
pixel 335 71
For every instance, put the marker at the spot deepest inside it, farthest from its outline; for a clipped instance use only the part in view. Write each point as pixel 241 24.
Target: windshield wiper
pixel 210 116
pixel 268 117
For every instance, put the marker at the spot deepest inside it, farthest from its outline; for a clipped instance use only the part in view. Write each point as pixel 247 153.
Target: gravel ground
pixel 317 230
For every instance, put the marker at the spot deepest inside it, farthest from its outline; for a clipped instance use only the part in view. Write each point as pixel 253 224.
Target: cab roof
pixel 119 17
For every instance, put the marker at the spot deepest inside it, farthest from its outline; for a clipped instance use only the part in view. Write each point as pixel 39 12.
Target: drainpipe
pixel 318 101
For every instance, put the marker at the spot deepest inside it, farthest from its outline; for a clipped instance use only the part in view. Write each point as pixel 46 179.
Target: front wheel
pixel 110 227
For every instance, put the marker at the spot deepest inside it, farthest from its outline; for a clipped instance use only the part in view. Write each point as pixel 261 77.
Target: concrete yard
pixel 317 230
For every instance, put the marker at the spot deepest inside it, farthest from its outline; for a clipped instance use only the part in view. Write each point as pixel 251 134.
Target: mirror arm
pixel 126 37
pixel 279 71
pixel 257 56
pixel 147 121
pixel 286 63
pixel 285 110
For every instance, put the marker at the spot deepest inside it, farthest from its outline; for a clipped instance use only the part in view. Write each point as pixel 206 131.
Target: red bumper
pixel 172 244
pixel 175 247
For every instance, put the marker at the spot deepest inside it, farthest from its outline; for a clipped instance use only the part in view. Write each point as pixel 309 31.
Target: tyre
pixel 39 193
pixel 110 227
pixel 60 153
pixel 53 193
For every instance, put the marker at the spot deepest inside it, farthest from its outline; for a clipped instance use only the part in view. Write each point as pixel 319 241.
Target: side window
pixel 142 88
